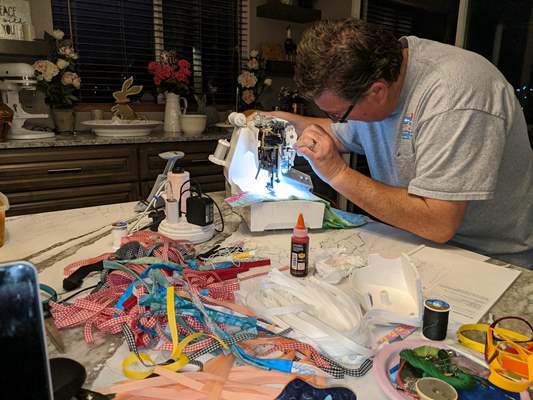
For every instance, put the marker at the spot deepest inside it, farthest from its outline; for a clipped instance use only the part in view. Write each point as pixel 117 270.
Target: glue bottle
pixel 299 249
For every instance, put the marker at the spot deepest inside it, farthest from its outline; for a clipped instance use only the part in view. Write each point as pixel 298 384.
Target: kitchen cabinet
pixel 58 178
pixel 202 171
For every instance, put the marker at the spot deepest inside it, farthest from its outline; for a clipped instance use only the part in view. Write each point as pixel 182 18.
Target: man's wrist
pixel 338 178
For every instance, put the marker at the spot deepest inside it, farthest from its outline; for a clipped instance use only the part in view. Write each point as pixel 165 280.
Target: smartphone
pixel 25 370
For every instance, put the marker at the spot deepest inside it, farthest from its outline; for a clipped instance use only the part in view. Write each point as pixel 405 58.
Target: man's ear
pixel 378 92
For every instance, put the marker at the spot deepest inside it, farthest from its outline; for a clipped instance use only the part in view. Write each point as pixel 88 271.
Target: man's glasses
pixel 335 117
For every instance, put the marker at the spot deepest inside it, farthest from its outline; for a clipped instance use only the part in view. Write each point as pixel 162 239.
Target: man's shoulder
pixel 450 78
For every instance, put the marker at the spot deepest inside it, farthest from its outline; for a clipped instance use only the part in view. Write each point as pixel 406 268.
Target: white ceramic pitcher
pixel 173 111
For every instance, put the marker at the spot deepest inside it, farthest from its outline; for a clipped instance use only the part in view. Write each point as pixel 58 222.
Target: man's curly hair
pixel 345 57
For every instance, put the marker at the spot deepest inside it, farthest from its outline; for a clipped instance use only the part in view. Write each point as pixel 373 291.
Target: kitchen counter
pixel 53 240
pixel 85 138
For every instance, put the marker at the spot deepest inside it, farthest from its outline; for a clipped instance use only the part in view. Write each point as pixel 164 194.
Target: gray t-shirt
pixel 458 133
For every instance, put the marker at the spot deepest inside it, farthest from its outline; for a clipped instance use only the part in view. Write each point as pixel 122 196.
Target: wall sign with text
pixel 15 19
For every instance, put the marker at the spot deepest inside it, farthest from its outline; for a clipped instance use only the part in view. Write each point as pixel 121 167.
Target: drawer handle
pixel 197 161
pixel 63 170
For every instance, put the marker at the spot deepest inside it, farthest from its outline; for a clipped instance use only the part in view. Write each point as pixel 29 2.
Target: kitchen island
pixel 53 240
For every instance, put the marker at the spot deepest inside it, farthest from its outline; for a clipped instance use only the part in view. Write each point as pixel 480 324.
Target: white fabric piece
pixel 331 320
pixel 390 290
pixel 333 265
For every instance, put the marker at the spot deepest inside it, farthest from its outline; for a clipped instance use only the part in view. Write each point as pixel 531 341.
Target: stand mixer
pixel 15 77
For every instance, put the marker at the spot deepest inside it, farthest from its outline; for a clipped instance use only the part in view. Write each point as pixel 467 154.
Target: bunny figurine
pixel 121 109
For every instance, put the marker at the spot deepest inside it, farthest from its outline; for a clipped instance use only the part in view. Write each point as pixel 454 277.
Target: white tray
pixel 124 128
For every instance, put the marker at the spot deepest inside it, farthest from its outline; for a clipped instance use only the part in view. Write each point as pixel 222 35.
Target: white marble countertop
pixel 53 240
pixel 86 138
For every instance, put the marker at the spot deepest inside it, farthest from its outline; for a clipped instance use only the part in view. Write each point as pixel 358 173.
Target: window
pixel 435 20
pixel 118 38
pixel 503 33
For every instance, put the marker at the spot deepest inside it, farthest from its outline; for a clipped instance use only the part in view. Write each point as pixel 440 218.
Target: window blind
pixel 390 15
pixel 118 38
pixel 436 19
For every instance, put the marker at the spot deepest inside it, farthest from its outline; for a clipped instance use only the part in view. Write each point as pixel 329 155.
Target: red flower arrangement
pixel 170 74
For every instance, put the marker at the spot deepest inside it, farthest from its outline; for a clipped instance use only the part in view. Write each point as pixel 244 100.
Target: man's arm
pixel 436 220
pixel 301 122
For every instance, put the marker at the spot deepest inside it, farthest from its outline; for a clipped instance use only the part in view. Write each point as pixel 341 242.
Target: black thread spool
pixel 435 321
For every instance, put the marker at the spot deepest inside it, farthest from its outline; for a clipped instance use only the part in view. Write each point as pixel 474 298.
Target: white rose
pixel 254 53
pixel 62 64
pixel 67 78
pixel 46 68
pixel 58 34
pixel 268 82
pixel 247 79
pixel 248 96
pixel 76 82
pixel 253 64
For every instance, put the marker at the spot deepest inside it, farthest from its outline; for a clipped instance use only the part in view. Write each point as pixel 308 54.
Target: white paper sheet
pixel 470 286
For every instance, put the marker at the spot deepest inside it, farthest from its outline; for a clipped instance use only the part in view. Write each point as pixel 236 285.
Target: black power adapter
pixel 200 210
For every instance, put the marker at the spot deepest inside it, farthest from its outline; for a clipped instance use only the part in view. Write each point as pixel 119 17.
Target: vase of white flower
pixel 252 82
pixel 59 80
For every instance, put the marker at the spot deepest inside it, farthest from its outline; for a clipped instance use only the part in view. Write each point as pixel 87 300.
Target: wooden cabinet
pixel 67 198
pixel 66 167
pixel 57 178
pixel 208 175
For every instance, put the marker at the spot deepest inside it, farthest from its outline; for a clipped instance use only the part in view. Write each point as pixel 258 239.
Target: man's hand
pixel 318 147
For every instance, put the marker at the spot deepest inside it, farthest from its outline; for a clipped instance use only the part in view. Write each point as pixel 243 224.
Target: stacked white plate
pixel 121 128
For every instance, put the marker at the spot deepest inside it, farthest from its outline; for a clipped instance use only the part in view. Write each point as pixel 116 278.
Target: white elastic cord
pixel 324 314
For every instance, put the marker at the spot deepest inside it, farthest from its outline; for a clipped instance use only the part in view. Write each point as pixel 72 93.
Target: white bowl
pixel 193 124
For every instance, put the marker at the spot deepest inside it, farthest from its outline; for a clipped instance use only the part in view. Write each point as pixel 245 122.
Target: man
pixel 443 132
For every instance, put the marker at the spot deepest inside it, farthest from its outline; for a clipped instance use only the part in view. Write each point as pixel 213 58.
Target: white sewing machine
pixel 259 160
pixel 15 77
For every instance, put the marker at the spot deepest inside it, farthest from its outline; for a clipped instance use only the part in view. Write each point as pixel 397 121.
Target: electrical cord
pixel 219 212
pixel 132 229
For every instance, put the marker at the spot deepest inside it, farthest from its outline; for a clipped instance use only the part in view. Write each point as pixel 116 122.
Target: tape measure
pixel 435 389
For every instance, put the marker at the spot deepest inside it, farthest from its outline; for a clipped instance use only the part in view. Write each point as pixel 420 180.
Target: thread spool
pixel 222 149
pixel 176 180
pixel 435 321
pixel 118 231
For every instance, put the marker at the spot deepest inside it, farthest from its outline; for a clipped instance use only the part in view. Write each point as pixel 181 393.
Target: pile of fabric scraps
pixel 166 299
pixel 220 378
pixel 467 377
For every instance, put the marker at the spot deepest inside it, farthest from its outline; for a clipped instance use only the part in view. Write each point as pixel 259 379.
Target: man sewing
pixel 444 134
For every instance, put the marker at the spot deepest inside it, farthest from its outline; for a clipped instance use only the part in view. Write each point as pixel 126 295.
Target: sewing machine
pixel 259 160
pixel 14 78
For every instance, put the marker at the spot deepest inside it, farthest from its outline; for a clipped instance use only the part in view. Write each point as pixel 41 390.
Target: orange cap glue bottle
pixel 299 249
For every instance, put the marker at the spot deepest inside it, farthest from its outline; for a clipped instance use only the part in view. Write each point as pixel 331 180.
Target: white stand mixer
pixel 15 77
